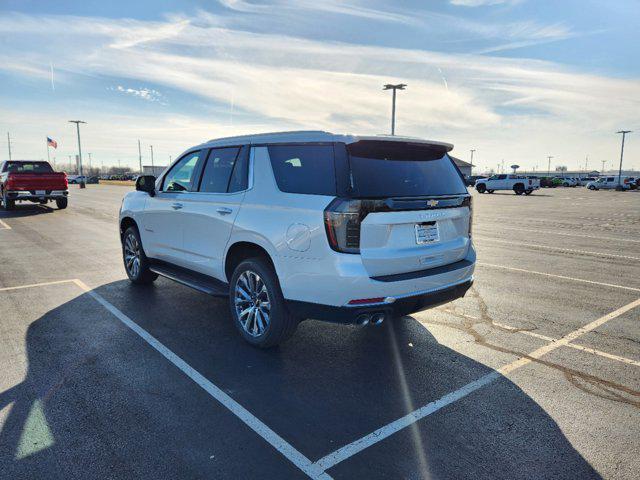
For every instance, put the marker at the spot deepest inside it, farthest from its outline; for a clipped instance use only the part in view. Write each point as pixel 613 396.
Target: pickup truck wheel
pixel 257 306
pixel 481 188
pixel 8 204
pixel 136 263
pixel 490 191
pixel 61 203
pixel 528 192
pixel 518 189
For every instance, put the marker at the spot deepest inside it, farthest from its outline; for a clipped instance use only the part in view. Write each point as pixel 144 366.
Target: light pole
pixel 389 86
pixel 471 161
pixel 9 144
pixel 549 166
pixel 153 168
pixel 78 122
pixel 603 162
pixel 89 153
pixel 624 134
pixel 140 156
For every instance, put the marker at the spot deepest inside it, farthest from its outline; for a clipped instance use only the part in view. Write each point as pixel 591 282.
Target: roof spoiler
pixel 400 149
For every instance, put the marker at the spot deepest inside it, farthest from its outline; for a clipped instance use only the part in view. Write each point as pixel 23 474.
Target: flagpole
pixel 47 140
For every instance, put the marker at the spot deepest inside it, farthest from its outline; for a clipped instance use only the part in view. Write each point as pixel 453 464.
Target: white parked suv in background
pixel 518 183
pixel 610 183
pixel 299 225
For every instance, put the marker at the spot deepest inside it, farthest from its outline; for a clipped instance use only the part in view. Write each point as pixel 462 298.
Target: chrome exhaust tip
pixel 377 319
pixel 363 320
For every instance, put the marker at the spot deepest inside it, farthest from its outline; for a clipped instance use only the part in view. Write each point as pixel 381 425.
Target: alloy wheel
pixel 252 303
pixel 132 255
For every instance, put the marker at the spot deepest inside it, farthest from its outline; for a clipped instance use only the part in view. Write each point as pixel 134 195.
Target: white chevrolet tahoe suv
pixel 298 225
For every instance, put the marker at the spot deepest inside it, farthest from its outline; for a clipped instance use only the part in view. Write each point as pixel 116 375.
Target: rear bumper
pixel 398 307
pixel 27 195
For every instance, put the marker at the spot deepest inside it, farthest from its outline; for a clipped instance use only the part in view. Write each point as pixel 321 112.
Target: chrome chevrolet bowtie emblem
pixel 432 203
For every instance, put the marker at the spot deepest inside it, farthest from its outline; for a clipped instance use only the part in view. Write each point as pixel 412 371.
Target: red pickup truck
pixel 34 181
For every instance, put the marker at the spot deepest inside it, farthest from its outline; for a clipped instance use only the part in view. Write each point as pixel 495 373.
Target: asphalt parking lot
pixel 534 374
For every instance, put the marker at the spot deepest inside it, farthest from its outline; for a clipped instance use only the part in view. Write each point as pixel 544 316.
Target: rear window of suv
pixel 382 169
pixel 306 169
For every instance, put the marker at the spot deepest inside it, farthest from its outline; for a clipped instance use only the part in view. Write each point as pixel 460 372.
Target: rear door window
pixel 218 169
pixel 306 169
pixel 398 169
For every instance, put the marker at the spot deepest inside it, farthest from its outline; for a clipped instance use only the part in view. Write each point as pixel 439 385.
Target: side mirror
pixel 146 183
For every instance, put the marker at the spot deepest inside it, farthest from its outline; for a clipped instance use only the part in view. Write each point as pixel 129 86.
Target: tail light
pixel 468 202
pixel 342 220
pixel 66 181
pixel 10 185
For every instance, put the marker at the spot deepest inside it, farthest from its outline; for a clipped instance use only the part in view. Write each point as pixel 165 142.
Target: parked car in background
pixel 470 181
pixel 93 180
pixel 32 181
pixel 75 179
pixel 568 182
pixel 610 183
pixel 547 182
pixel 518 183
pixel 299 225
pixel 583 181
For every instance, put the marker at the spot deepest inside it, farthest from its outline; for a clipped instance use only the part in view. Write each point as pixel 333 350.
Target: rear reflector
pixel 364 301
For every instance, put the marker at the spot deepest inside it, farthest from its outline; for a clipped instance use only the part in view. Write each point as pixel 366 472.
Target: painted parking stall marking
pixel 275 440
pixel 4 225
pixel 380 434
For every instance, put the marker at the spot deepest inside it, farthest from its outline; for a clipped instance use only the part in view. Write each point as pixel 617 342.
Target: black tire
pixel 481 188
pixel 62 203
pixel 528 192
pixel 8 204
pixel 280 324
pixel 490 191
pixel 141 275
pixel 518 189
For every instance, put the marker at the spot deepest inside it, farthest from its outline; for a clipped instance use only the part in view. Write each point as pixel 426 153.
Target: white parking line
pixel 380 434
pixel 275 440
pixel 575 346
pixel 563 277
pixel 44 284
pixel 4 225
pixel 556 232
pixel 558 249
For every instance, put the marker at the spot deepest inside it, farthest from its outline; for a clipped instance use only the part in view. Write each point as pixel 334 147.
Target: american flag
pixel 52 143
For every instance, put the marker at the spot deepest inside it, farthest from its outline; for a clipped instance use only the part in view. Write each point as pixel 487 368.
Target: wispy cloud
pixel 513 106
pixel 148 94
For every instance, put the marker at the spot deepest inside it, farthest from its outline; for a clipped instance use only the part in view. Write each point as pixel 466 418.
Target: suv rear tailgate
pixel 405 241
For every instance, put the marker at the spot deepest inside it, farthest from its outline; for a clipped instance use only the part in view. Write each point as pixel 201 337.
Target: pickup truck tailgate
pixel 41 181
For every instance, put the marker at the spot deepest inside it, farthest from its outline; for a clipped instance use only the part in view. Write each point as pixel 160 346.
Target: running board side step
pixel 198 281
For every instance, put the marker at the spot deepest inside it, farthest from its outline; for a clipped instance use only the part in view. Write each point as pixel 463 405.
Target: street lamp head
pixel 390 86
pixel 76 121
pixel 624 131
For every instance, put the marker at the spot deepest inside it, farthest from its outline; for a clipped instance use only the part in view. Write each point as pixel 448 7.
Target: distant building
pixel 464 167
pixel 155 170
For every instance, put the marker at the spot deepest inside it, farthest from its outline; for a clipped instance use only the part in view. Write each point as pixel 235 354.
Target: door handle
pixel 176 206
pixel 224 211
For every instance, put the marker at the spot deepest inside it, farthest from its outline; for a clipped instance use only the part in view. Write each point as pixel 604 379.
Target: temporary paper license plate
pixel 427 233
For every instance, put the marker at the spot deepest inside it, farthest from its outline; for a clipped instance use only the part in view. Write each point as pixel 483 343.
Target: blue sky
pixel 515 79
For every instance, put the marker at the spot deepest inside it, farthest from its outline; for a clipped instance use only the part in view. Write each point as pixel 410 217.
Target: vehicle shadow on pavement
pixel 25 211
pixel 97 401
